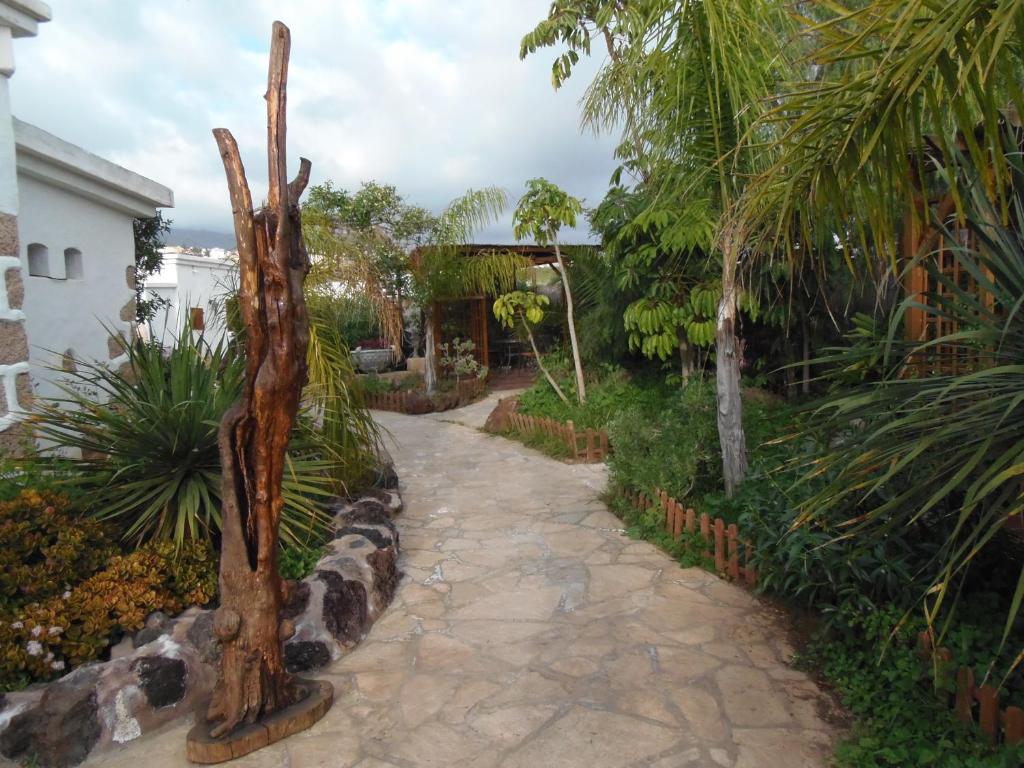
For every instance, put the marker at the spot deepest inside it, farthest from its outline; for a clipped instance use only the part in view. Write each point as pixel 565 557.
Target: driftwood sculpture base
pixel 316 698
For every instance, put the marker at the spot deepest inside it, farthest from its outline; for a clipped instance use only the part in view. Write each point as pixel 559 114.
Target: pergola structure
pixel 472 314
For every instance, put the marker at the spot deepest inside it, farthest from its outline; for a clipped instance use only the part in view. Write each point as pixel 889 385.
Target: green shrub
pixel 459 362
pixel 45 639
pixel 372 384
pixel 296 563
pixel 609 390
pixel 937 428
pixel 44 548
pixel 675 450
pixel 22 473
pixel 812 564
pixel 649 524
pixel 662 436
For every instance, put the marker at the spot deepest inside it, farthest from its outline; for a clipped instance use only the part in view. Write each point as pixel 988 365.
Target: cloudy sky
pixel 429 95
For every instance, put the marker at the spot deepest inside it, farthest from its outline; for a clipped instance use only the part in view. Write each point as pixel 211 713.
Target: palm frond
pixel 897 85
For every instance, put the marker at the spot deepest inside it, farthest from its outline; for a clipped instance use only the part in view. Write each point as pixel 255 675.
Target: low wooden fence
pixel 974 703
pixel 589 445
pixel 732 556
pixel 388 401
pixel 399 401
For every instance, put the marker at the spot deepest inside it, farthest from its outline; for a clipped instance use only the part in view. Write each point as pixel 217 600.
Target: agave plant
pixel 925 443
pixel 141 443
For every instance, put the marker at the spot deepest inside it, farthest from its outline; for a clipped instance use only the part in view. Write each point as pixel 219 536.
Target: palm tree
pixel 444 272
pixel 685 81
pixel 541 213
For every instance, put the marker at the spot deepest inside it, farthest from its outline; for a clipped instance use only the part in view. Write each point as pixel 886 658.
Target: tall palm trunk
pixel 727 376
pixel 581 385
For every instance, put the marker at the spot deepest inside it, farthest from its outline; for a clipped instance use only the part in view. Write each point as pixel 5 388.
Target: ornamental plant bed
pixel 561 440
pixel 718 543
pixel 169 664
pixel 586 446
pixel 973 703
pixel 68 593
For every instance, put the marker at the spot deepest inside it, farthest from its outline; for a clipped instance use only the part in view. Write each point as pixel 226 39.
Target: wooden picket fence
pixel 399 401
pixel 974 703
pixel 732 556
pixel 589 446
pixel 388 401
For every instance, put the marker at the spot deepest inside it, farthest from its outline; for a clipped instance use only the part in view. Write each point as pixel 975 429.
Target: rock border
pixel 170 666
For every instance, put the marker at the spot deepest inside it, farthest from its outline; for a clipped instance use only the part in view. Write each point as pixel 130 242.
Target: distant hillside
pixel 199 238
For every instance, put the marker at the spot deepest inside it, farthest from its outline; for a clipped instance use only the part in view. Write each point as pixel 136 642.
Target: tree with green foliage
pixel 685 82
pixel 149 239
pixel 896 88
pixel 373 231
pixel 540 215
pixel 444 271
pixel 660 254
pixel 528 308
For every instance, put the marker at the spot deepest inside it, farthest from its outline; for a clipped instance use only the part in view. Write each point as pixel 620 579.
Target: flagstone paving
pixel 529 632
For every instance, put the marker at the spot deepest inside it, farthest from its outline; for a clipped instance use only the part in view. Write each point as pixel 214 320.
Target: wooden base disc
pixel 316 697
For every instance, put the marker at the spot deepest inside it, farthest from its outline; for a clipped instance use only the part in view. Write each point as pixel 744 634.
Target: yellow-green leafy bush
pixel 44 548
pixel 45 639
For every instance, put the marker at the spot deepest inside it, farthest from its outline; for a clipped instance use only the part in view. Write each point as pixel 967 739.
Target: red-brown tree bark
pixel 254 433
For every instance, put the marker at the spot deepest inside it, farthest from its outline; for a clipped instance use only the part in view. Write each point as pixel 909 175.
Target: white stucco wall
pixel 61 313
pixel 189 280
pixel 8 180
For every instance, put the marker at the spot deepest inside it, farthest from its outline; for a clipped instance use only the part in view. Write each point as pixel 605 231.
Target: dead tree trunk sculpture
pixel 273 264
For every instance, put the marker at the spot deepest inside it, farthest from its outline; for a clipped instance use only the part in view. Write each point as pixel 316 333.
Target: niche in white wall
pixel 73 269
pixel 38 260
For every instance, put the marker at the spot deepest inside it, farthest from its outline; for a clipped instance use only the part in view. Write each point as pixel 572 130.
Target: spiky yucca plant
pixel 140 443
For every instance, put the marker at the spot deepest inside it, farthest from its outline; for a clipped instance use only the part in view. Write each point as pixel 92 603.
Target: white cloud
pixel 425 94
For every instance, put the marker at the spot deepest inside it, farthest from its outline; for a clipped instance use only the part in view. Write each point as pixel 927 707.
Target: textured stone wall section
pixel 117 355
pixel 14 369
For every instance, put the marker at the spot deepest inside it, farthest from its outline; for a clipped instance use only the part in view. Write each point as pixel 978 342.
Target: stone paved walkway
pixel 530 633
